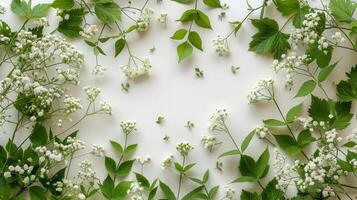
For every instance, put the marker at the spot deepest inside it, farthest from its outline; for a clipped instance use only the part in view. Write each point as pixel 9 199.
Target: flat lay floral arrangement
pixel 309 155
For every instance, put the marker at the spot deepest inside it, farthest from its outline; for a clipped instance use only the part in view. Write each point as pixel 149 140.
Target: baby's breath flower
pixel 89 31
pixel 229 194
pixel 168 161
pixel 262 131
pixel 143 161
pixel 135 191
pixel 184 148
pixel 132 72
pixel 71 104
pixel 220 44
pixel 43 21
pixel 144 20
pixel 209 141
pixel 106 107
pixel 97 150
pixel 99 70
pixel 338 38
pixel 263 91
pixel 91 92
pixel 162 17
pixel 217 120
pixel 128 127
pixel 2 10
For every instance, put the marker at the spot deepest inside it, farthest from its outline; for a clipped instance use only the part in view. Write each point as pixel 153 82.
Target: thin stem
pixel 230 136
pixel 180 180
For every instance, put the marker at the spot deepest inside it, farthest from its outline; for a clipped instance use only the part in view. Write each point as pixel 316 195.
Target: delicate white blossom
pixel 263 91
pixel 220 44
pixel 217 120
pixel 184 148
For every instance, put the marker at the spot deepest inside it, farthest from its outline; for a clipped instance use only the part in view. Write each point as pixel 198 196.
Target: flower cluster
pixel 128 127
pixel 143 161
pixel 220 44
pixel 184 148
pixel 168 161
pixel 307 33
pixel 262 131
pixel 135 191
pixel 209 141
pixel 144 20
pixel 89 31
pixel 263 91
pixel 24 172
pixel 98 150
pixel 218 120
pixel 291 65
pixel 132 72
pixel 71 104
pixel 86 173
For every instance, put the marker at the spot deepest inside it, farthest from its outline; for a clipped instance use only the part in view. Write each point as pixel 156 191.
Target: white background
pixel 173 91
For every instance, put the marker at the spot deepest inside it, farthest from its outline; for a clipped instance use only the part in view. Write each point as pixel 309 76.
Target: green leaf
pixel 37 193
pixel 350 144
pixel 288 144
pixel 107 11
pixel 345 166
pixel 40 10
pixel 184 1
pixel 245 195
pixel 125 168
pixel 188 15
pixel 342 10
pixel 205 176
pixel 63 4
pixel 244 179
pixel 300 16
pixel 293 113
pixel 269 39
pixel 325 72
pixel 271 192
pixel 188 167
pixel 306 88
pixel 5 189
pixel 117 147
pixel 38 136
pixel 195 40
pixel 213 191
pixel 262 164
pixel 288 7
pixel 193 194
pixel 347 90
pixel 142 180
pixel 304 139
pixel 120 191
pixel 119 46
pixel 130 149
pixel 273 122
pixel 319 109
pixel 21 8
pixel 213 3
pixel 322 57
pixel 179 34
pixel 107 187
pixel 247 166
pixel 167 191
pixel 184 50
pixel 247 140
pixel 230 153
pixel 237 25
pixel 202 20
pixel 293 7
pixel 72 26
pixel 110 164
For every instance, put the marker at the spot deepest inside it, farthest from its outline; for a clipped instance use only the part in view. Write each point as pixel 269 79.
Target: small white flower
pixel 89 31
pixel 133 72
pixel 99 70
pixel 229 194
pixel 7 174
pixel 106 107
pixel 144 20
pixel 263 91
pixel 98 150
pixel 168 161
pixel 184 148
pixel 162 17
pixel 209 141
pixel 262 131
pixel 91 92
pixel 217 120
pixel 128 127
pixel 220 44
